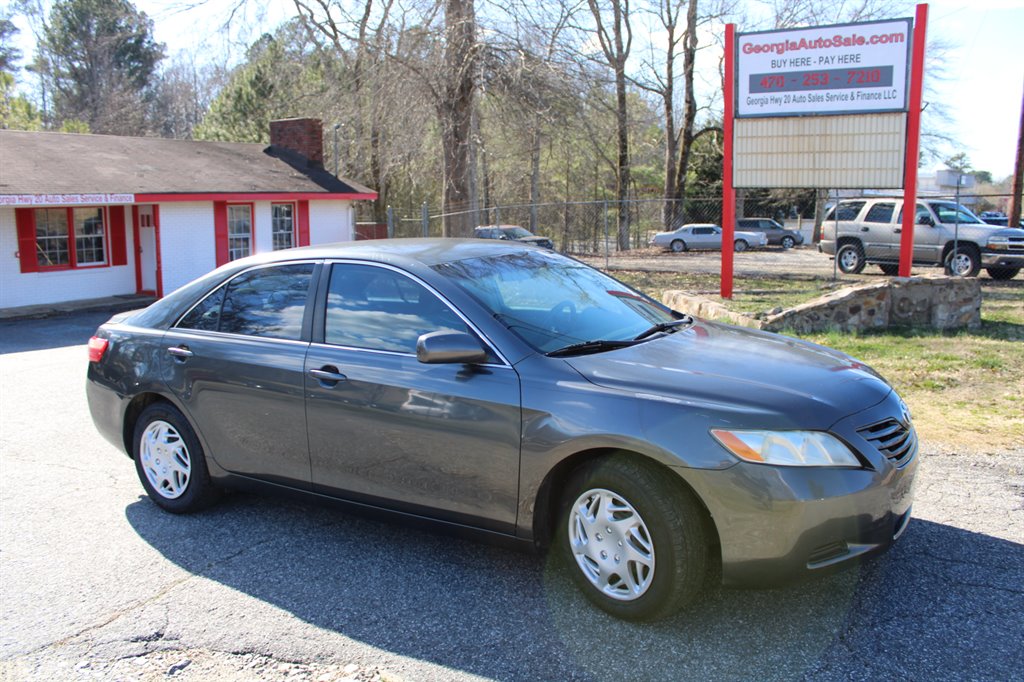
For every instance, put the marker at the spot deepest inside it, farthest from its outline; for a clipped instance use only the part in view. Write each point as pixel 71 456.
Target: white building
pixel 90 216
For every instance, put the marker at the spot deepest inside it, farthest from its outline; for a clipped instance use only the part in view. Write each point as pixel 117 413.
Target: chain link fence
pixel 590 228
pixel 585 228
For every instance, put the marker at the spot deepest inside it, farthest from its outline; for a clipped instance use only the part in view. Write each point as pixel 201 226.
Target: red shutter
pixel 303 223
pixel 118 239
pixel 220 231
pixel 25 219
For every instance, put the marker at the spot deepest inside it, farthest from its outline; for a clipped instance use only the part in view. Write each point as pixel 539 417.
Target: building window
pixel 89 232
pixel 239 231
pixel 283 225
pixel 53 237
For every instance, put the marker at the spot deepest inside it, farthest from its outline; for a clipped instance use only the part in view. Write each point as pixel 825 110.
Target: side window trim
pixel 319 305
pixel 305 334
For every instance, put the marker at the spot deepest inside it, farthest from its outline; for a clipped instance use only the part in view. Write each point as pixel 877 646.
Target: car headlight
pixel 787 448
pixel 998 242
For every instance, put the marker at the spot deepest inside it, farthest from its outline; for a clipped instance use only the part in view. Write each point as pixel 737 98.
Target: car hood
pixel 985 230
pixel 790 383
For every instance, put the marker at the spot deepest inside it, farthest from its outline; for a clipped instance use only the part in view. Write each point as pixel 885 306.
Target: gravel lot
pixel 97 583
pixel 801 262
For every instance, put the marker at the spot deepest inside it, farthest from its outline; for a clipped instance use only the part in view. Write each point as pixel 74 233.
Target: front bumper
pixel 1002 259
pixel 778 524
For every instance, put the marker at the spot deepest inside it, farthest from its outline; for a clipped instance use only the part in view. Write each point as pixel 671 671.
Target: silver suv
pixel 862 231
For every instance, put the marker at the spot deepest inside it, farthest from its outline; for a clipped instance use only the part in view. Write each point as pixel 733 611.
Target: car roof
pixel 700 225
pixel 429 251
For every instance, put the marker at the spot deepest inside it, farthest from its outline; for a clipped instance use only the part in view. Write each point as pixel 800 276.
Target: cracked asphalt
pixel 97 583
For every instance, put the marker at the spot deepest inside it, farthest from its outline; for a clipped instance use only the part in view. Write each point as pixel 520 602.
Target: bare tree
pixel 615 35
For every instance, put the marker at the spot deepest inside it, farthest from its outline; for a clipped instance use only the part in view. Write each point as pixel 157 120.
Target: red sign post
pixel 913 142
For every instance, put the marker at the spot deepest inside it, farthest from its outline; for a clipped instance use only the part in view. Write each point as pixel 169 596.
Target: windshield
pixel 551 301
pixel 947 213
pixel 516 232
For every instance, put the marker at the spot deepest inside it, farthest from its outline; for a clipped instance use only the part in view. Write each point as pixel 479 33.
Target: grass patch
pixel 965 388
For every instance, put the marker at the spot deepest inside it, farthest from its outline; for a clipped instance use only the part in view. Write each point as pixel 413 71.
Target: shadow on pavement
pixel 943 600
pixel 18 336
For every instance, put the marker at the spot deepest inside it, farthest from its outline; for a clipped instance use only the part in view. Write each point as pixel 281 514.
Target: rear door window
pixel 268 302
pixel 880 213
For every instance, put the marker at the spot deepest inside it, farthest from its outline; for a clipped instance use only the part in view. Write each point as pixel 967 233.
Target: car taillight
pixel 97 347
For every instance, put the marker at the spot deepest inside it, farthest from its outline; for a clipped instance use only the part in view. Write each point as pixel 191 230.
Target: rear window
pixel 847 210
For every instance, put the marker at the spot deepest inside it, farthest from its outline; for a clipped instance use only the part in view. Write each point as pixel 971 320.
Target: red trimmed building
pixel 90 216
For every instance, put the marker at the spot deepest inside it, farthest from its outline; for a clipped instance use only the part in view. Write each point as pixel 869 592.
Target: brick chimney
pixel 302 136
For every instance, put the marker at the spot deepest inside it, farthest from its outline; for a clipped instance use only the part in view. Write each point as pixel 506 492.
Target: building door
pixel 145 250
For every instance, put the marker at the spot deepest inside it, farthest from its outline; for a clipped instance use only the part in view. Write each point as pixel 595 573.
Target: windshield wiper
pixel 663 327
pixel 594 346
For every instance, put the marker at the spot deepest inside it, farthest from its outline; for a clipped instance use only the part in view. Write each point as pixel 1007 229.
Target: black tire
pixel 740 245
pixel 677 245
pixel 850 258
pixel 172 446
pixel 675 525
pixel 890 269
pixel 788 242
pixel 1002 273
pixel 965 262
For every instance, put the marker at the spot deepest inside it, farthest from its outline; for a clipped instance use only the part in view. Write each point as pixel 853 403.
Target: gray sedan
pixel 705 236
pixel 508 391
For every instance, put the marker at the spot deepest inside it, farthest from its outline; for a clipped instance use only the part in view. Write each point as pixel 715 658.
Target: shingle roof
pixel 62 163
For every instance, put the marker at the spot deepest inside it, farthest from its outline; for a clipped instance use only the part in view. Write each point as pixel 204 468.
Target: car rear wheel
pixel 850 258
pixel 170 462
pixel 963 262
pixel 740 245
pixel 1002 273
pixel 788 242
pixel 635 543
pixel 678 245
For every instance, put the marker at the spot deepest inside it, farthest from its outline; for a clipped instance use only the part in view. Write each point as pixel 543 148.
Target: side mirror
pixel 926 220
pixel 438 348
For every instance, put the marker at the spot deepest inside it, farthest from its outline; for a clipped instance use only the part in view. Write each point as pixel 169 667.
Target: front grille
pixel 894 439
pixel 1016 243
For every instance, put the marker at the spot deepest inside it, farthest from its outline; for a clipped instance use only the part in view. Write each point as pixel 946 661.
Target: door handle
pixel 328 374
pixel 180 352
pixel 865 229
pixel 898 230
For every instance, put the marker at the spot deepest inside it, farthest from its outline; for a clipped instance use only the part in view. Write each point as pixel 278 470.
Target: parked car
pixel 994 218
pixel 518 393
pixel 705 236
pixel 512 233
pixel 777 234
pixel 862 231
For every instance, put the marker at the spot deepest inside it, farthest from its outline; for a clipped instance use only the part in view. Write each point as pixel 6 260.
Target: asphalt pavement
pixel 97 583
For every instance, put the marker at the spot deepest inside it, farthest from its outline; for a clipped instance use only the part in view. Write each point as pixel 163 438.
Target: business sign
pixel 64 199
pixel 842 69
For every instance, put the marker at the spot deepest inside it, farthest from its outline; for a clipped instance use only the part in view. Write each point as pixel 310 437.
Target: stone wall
pixel 934 301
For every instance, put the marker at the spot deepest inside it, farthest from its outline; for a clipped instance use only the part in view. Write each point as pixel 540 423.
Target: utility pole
pixel 1018 174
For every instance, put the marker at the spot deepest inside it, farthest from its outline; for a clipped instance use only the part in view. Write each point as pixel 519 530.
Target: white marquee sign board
pixel 816 105
pixel 853 68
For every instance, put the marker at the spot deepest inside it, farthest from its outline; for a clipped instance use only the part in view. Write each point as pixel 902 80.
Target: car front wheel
pixel 678 245
pixel 740 245
pixel 788 242
pixel 850 258
pixel 963 262
pixel 635 543
pixel 170 462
